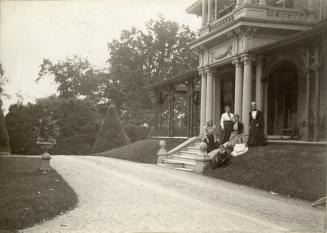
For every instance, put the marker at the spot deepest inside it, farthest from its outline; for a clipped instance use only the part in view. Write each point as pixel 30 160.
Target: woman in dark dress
pixel 237 132
pixel 256 127
pixel 226 123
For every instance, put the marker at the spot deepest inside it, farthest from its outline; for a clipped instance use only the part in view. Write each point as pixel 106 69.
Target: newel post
pixel 203 159
pixel 162 153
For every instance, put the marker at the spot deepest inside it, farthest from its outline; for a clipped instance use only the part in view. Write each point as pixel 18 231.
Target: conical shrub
pixel 111 134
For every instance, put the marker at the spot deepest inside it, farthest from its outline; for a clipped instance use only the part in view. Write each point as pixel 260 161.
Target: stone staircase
pixel 187 157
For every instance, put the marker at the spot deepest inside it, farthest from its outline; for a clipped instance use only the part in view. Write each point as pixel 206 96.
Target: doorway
pixel 283 98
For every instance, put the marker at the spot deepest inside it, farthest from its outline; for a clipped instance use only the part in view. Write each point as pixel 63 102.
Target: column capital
pixel 316 67
pixel 209 70
pixel 306 69
pixel 247 59
pixel 201 71
pixel 237 62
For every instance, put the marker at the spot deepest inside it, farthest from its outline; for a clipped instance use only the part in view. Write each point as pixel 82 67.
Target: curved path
pixel 122 196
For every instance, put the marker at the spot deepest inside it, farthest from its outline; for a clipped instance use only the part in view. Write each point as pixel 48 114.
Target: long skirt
pixel 225 135
pixel 256 135
pixel 211 143
pixel 236 138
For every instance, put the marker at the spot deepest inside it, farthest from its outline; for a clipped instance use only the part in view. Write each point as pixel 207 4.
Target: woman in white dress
pixel 226 124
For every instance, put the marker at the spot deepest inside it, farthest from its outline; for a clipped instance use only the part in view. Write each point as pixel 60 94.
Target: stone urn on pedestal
pixel 45 156
pixel 48 130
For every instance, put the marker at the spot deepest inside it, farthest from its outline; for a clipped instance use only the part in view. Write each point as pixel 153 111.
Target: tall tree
pixel 4 137
pixel 76 77
pixel 140 58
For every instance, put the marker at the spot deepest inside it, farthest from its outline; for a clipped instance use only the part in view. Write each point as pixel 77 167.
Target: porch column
pixel 238 87
pixel 316 103
pixel 203 102
pixel 265 111
pixel 156 108
pixel 190 103
pixel 161 102
pixel 238 3
pixel 171 111
pixel 258 83
pixel 307 106
pixel 247 88
pixel 209 98
pixel 203 12
pixel 209 11
pixel 216 9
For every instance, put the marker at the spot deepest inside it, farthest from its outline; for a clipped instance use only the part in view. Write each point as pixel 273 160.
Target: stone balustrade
pixel 290 14
pixel 257 11
pixel 221 22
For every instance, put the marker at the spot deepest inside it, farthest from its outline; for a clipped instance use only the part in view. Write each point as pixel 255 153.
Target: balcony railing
pixel 221 22
pixel 290 14
pixel 257 11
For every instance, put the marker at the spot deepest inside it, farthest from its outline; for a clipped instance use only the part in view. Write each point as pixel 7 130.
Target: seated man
pixel 221 158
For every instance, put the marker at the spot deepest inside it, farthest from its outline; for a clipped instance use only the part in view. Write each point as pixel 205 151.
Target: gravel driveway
pixel 122 196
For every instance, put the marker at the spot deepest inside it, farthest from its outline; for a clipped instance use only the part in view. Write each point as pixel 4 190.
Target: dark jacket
pixel 240 127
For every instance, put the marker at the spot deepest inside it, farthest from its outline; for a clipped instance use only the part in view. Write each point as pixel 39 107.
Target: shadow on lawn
pixel 29 196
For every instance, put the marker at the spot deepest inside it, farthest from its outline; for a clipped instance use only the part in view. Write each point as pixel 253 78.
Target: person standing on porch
pixel 226 124
pixel 256 127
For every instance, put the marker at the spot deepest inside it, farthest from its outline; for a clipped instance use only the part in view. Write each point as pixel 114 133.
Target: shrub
pixel 21 124
pixel 137 133
pixel 78 122
pixel 112 133
pixel 4 137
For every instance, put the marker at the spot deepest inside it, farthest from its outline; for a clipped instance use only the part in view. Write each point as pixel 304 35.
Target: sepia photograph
pixel 163 116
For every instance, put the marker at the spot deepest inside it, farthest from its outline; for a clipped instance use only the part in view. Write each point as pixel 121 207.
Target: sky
pixel 33 30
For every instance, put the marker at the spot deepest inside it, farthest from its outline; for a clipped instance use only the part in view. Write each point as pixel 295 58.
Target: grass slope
pixel 28 196
pixel 144 151
pixel 297 172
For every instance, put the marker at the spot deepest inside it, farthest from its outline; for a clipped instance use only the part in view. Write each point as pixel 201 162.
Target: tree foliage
pixel 4 137
pixel 137 58
pixel 140 58
pixel 78 123
pixel 75 76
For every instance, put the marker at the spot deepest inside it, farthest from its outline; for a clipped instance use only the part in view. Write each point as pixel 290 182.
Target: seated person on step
pixel 221 158
pixel 210 136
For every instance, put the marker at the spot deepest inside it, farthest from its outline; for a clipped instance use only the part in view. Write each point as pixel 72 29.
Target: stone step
pixel 189 166
pixel 179 163
pixel 184 169
pixel 193 149
pixel 184 158
pixel 171 163
pixel 186 152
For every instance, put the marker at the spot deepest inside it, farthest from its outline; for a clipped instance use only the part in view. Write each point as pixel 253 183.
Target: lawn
pixel 144 151
pixel 291 171
pixel 29 196
pixel 294 171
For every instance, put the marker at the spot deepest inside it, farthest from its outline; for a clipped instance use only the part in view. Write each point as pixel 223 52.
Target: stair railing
pixel 183 145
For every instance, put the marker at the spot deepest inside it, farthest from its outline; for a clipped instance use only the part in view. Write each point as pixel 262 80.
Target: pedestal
pixel 162 153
